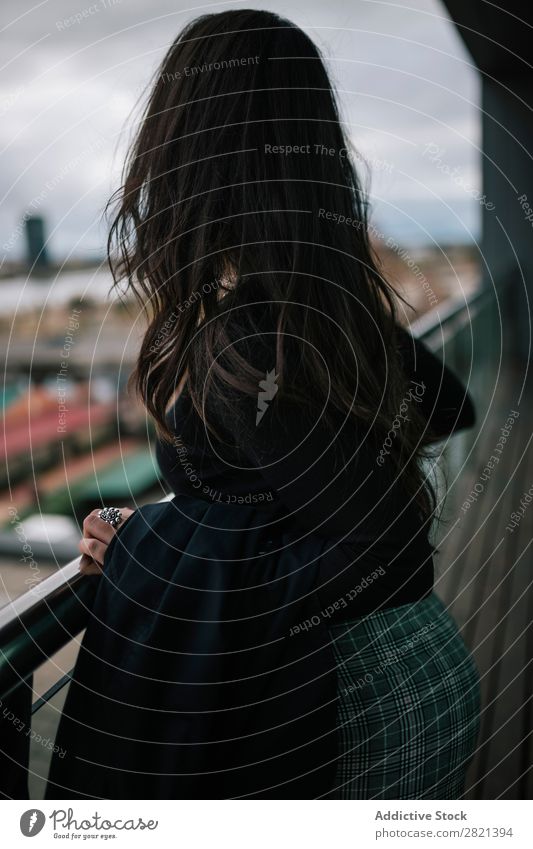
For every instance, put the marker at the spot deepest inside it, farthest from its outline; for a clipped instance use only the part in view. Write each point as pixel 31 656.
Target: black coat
pixel 206 670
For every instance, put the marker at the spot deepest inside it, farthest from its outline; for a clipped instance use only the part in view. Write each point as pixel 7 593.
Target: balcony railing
pixel 47 617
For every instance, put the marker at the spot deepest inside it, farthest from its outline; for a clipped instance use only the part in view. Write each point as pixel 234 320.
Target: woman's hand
pixel 97 535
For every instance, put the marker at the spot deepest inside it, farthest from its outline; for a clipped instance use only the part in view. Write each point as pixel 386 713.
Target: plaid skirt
pixel 408 704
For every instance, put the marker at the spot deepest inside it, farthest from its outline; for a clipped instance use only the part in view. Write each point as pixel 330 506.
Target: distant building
pixel 35 239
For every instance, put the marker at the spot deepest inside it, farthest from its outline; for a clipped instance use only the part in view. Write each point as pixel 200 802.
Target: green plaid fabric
pixel 408 704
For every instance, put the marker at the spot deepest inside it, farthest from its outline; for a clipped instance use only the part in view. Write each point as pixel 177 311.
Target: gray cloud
pixel 66 95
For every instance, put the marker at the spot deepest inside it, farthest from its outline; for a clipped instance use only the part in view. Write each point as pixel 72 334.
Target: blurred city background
pixel 439 113
pixel 69 96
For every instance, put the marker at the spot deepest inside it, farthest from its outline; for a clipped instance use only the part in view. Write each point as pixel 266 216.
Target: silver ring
pixel 111 515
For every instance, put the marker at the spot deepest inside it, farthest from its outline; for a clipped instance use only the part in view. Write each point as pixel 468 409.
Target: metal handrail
pixel 27 637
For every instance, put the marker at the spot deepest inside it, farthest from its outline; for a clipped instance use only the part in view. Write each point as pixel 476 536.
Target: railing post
pixel 15 728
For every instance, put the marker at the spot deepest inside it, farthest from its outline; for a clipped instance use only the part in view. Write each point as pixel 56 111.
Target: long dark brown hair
pixel 240 176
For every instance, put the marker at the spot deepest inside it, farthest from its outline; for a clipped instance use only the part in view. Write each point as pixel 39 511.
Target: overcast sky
pixel 67 92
